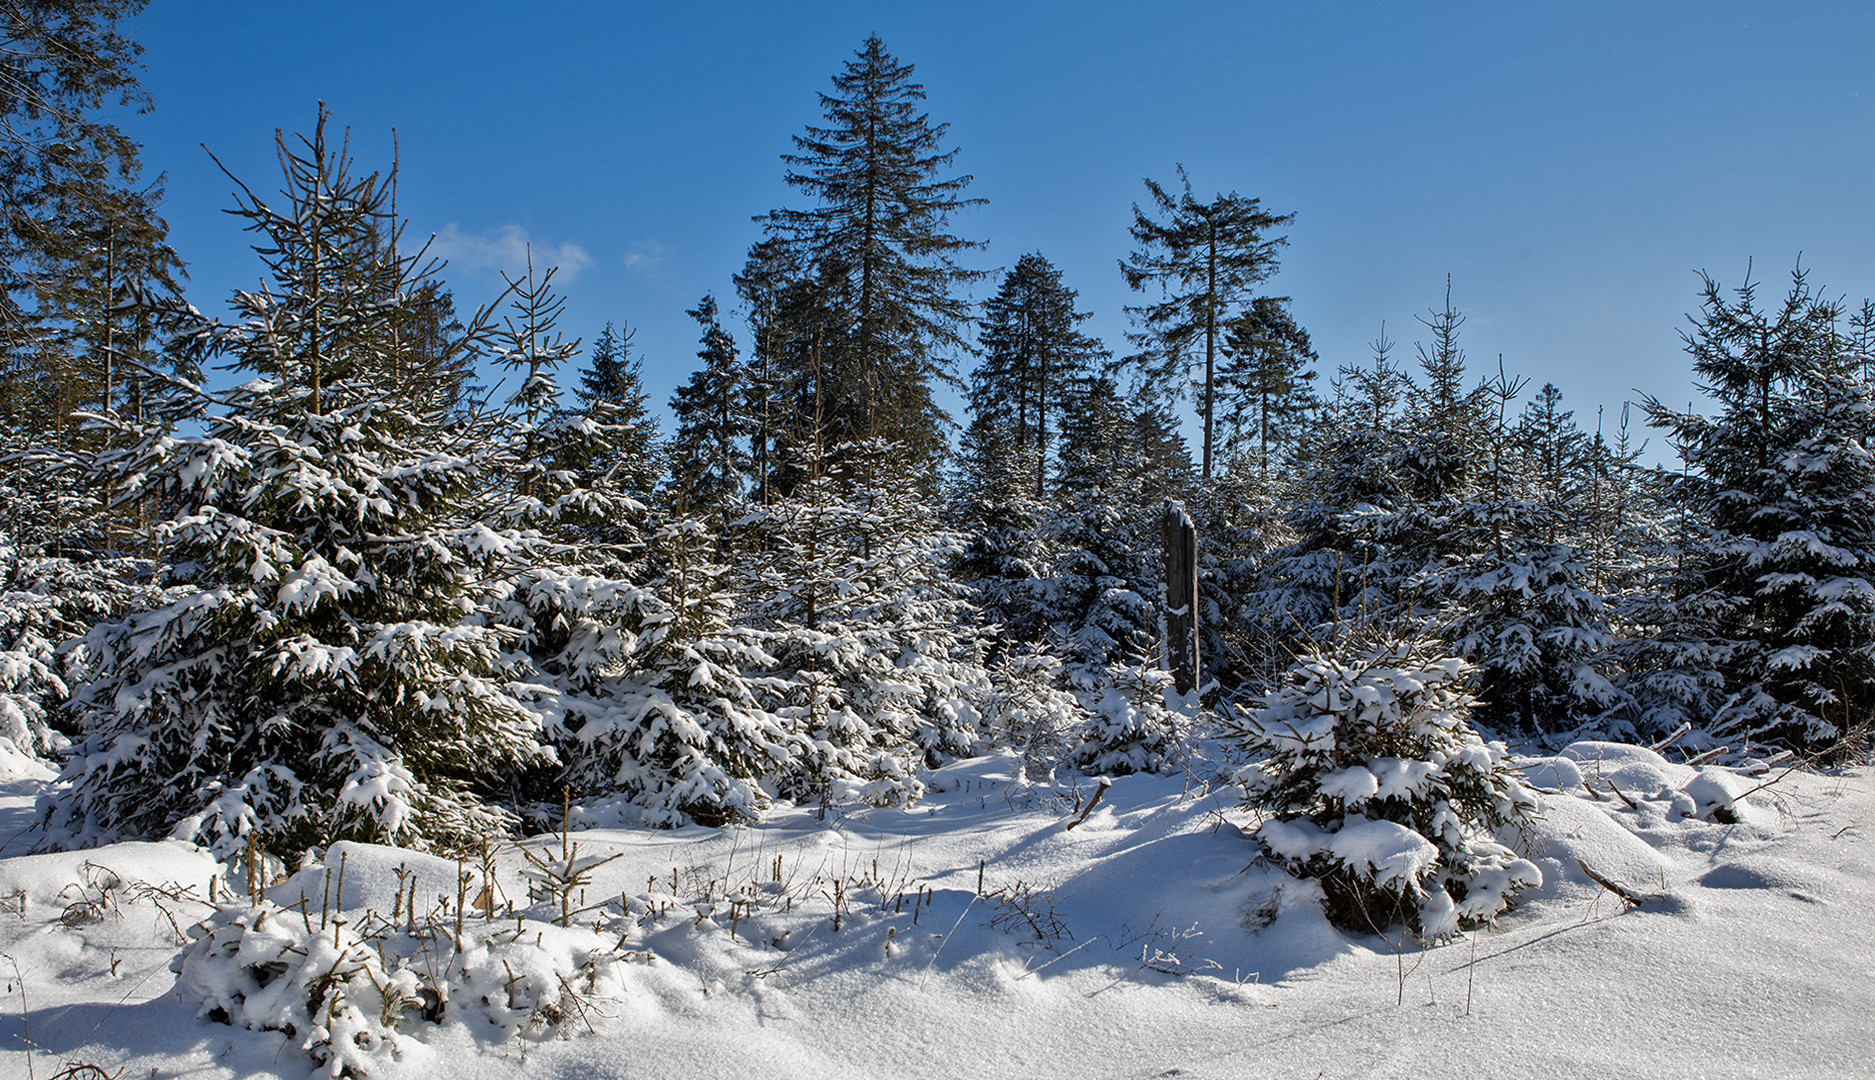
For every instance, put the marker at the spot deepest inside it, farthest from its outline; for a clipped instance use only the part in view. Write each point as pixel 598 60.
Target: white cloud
pixel 645 258
pixel 506 249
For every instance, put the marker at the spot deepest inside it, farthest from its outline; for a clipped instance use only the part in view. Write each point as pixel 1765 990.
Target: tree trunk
pixel 1181 596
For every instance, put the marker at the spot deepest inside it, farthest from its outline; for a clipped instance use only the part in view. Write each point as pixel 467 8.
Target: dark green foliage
pixel 1265 381
pixel 79 232
pixel 1033 355
pixel 612 392
pixel 880 256
pixel 1206 257
pixel 710 452
pixel 1785 481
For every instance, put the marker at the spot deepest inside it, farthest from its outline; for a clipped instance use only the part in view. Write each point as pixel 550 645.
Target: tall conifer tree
pixel 878 242
pixel 1786 484
pixel 1033 354
pixel 710 453
pixel 1206 258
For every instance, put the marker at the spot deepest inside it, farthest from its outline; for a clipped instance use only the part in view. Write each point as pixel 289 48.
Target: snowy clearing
pixel 979 935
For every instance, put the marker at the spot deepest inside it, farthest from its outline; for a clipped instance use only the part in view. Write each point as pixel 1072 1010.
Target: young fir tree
pixel 1005 555
pixel 669 721
pixel 1206 257
pixel 1518 597
pixel 1444 419
pixel 1783 480
pixel 876 246
pixel 1372 781
pixel 1238 518
pixel 528 441
pixel 1342 565
pixel 47 601
pixel 1669 654
pixel 710 452
pixel 769 279
pixel 876 647
pixel 612 392
pixel 1264 381
pixel 1437 451
pixel 315 678
pixel 1672 653
pixel 1100 599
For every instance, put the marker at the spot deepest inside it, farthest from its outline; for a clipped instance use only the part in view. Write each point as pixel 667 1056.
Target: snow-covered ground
pixel 979 935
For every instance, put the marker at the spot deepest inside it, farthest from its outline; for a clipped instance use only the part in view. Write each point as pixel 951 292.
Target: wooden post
pixel 1181 596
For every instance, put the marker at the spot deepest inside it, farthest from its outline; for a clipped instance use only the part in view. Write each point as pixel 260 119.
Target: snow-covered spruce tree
pixel 1514 591
pixel 47 604
pixel 710 459
pixel 571 613
pixel 535 451
pixel 1370 779
pixel 1005 554
pixel 1671 654
pixel 1238 521
pixel 1787 485
pixel 1101 597
pixel 1005 564
pixel 681 728
pixel 1129 726
pixel 316 679
pixel 877 646
pixel 1341 567
pixel 59 576
pixel 612 391
pixel 629 651
pixel 544 464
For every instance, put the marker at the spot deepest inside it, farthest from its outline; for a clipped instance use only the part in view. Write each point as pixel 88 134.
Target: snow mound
pixel 1638 775
pixel 1570 833
pixel 58 877
pixel 17 764
pixel 1552 774
pixel 996 776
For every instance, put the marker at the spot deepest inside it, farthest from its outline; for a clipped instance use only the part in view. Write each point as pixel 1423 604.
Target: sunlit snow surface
pixel 1750 956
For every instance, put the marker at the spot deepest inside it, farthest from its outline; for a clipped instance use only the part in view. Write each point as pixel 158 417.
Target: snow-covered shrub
pixel 59 577
pixel 1370 779
pixel 1129 728
pixel 266 969
pixel 1030 707
pixel 44 602
pixel 349 999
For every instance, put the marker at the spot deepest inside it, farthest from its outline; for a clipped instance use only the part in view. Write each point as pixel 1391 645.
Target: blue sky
pixel 1572 166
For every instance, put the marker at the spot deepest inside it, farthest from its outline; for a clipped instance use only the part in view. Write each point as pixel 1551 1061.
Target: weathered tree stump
pixel 1181 596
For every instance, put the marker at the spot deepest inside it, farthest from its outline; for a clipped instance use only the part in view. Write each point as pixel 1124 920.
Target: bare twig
pixel 1629 896
pixel 1099 791
pixel 1671 739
